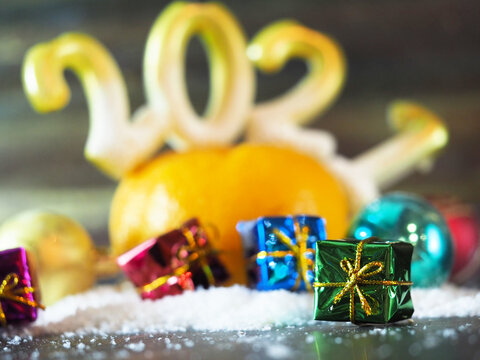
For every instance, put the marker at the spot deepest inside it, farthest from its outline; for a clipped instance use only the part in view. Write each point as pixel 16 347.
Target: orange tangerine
pixel 221 187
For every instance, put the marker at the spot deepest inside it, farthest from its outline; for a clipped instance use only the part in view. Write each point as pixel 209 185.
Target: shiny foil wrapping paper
pixel 273 264
pixel 171 257
pixel 15 262
pixel 389 303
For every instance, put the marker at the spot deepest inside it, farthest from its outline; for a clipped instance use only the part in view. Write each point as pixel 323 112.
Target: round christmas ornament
pixel 464 224
pixel 62 251
pixel 405 217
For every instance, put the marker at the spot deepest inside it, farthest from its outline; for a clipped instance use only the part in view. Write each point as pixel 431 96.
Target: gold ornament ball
pixel 61 251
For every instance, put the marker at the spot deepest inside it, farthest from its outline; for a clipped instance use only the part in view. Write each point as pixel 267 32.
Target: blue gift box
pixel 281 251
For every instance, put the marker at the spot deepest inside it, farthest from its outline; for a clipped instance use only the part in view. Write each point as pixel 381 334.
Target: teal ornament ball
pixel 404 217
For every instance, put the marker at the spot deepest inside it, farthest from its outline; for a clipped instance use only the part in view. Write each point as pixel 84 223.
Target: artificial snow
pixel 118 309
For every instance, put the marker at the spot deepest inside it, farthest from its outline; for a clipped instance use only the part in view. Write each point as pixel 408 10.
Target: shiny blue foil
pixel 273 272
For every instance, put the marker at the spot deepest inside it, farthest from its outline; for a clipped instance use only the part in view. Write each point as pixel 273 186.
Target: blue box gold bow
pixel 281 251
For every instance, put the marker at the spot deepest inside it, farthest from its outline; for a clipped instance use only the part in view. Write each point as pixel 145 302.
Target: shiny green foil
pixel 389 303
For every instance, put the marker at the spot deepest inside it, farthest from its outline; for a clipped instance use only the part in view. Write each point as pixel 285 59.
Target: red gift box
pixel 173 262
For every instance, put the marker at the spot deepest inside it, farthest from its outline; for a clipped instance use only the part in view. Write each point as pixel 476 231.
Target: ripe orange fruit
pixel 221 187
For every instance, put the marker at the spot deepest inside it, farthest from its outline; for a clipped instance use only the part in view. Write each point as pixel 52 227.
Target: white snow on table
pixel 119 309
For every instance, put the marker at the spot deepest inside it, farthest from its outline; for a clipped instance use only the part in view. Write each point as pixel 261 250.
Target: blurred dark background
pixel 426 50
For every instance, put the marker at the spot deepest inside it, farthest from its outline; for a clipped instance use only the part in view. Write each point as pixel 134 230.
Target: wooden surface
pixel 426 50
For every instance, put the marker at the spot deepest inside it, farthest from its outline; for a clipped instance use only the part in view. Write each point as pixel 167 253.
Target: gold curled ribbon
pixel 357 276
pixel 162 280
pixel 9 292
pixel 298 250
pixel 197 254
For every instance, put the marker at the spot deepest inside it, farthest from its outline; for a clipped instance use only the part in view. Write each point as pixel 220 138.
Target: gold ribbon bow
pixel 357 276
pixel 162 280
pixel 298 250
pixel 8 291
pixel 197 254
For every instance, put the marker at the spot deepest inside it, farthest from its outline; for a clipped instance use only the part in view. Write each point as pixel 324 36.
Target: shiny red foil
pixel 16 261
pixel 160 257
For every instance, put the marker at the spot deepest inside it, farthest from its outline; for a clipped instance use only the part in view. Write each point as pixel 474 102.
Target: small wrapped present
pixel 19 295
pixel 364 281
pixel 281 252
pixel 171 263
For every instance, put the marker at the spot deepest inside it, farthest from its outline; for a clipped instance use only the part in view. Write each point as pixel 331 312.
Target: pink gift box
pixel 172 263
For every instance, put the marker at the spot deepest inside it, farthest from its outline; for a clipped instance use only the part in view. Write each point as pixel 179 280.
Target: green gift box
pixel 364 281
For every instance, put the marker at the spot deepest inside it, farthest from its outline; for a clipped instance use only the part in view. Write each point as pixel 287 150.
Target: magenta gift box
pixel 19 294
